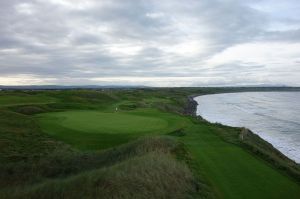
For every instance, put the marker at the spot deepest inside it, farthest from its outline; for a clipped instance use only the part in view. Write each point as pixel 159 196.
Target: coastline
pixel 252 143
pixel 191 107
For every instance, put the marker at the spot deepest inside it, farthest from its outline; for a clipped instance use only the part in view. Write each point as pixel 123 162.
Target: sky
pixel 150 42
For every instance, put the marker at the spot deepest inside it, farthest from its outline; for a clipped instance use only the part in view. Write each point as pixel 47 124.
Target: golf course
pixel 100 130
pixel 131 143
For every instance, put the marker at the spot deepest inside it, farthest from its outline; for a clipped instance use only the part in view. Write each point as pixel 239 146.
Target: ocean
pixel 274 116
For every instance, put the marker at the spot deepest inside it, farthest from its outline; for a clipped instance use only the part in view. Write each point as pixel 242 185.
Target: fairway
pixel 98 130
pixel 81 131
pixel 232 171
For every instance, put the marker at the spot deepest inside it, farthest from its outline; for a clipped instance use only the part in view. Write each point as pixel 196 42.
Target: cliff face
pixel 191 106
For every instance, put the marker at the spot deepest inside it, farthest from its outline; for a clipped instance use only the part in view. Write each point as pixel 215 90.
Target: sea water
pixel 274 116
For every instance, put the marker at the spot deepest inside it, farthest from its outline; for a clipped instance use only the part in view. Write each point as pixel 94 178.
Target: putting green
pixel 97 122
pixel 99 130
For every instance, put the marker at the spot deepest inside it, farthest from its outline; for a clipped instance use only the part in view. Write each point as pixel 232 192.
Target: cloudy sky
pixel 154 43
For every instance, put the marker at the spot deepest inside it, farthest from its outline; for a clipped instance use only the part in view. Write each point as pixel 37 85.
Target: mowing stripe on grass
pixel 234 172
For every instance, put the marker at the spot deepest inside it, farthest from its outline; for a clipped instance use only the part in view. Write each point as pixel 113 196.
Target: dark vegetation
pixel 267 152
pixel 145 168
pixel 183 160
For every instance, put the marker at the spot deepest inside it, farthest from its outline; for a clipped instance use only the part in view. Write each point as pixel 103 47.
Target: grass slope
pixel 13 99
pixel 36 162
pixel 234 172
pixel 145 168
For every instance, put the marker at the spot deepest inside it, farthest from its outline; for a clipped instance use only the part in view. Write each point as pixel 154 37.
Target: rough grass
pixel 21 138
pixel 145 168
pixel 20 98
pixel 35 164
pixel 232 171
pixel 153 175
pixel 266 151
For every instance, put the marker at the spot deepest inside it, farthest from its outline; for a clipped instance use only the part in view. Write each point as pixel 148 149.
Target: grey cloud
pixel 53 40
pixel 288 35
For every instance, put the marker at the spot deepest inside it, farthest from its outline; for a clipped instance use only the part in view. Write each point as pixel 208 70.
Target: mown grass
pixel 92 130
pixel 79 141
pixel 99 122
pixel 232 171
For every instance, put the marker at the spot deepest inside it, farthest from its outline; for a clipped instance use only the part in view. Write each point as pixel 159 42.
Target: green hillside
pixel 53 142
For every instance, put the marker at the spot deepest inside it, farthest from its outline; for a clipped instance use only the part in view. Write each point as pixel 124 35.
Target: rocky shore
pixel 191 107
